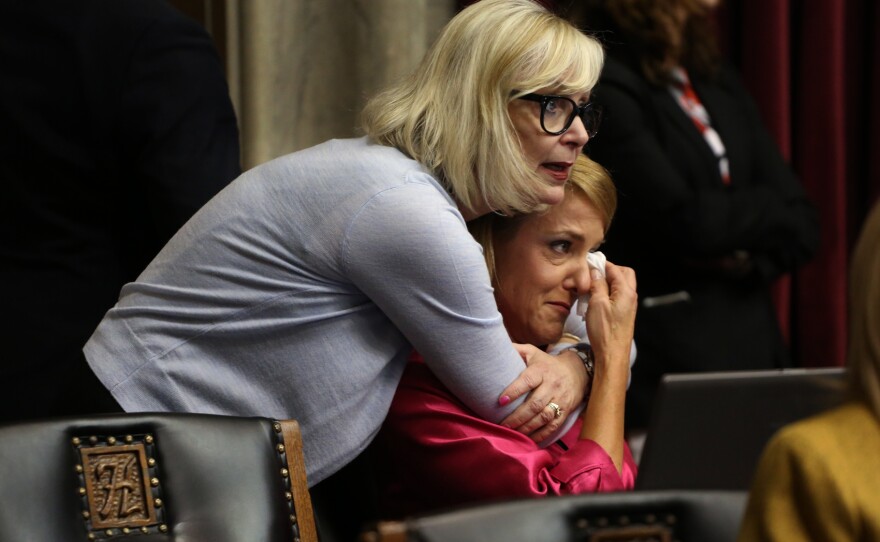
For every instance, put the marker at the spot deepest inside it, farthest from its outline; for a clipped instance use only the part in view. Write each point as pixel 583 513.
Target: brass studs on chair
pixel 111 440
pixel 286 475
pixel 157 502
pixel 92 536
pixel 126 530
pixel 154 482
pixel 129 439
pixel 148 439
pixel 93 440
pixel 151 462
pixel 76 441
pixel 82 491
pixel 144 529
pixel 86 514
pixel 163 528
pixel 78 469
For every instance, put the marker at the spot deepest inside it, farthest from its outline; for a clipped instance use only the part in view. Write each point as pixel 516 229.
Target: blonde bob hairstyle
pixel 587 177
pixel 863 359
pixel 451 113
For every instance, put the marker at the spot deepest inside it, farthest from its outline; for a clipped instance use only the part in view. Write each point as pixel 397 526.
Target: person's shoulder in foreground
pixel 819 479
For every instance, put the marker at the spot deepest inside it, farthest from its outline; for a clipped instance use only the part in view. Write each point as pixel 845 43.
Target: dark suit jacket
pixel 115 127
pixel 677 225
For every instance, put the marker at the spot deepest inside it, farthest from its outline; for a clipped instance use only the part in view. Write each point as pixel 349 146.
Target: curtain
pixel 300 70
pixel 813 67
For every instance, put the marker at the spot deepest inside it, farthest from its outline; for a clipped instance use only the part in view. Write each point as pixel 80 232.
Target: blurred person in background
pixel 115 127
pixel 709 214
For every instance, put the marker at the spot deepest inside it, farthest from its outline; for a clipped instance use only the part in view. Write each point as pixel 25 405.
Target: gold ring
pixel 556 409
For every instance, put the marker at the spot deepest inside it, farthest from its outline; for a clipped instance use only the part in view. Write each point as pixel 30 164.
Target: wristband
pixel 585 352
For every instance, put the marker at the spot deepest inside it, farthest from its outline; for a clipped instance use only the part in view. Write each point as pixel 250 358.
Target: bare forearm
pixel 603 417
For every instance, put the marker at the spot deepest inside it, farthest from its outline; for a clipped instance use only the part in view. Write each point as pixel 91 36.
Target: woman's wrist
pixel 585 352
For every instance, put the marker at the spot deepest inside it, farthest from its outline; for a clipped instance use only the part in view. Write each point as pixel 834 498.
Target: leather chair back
pixel 154 477
pixel 635 516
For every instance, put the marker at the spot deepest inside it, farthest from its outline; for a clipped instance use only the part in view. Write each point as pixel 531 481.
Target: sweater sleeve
pixel 409 251
pixel 443 455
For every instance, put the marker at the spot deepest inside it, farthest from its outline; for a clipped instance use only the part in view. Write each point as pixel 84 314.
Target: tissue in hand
pixel 596 260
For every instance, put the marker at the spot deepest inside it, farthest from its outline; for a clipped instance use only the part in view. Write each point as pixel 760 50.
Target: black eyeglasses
pixel 558 112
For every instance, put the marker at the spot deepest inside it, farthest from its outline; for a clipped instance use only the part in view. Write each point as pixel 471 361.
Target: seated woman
pixel 434 452
pixel 818 478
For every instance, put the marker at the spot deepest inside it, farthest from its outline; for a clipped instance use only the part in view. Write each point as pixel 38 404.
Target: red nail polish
pixel 504 400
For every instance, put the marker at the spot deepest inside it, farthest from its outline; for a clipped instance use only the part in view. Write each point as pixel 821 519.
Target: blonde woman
pixel 819 479
pixel 436 452
pixel 299 291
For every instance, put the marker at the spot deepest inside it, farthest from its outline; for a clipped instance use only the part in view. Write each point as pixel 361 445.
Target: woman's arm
pixel 408 250
pixel 787 223
pixel 610 326
pixel 546 376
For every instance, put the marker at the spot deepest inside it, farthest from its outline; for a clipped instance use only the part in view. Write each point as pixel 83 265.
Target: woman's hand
pixel 562 379
pixel 611 315
pixel 558 379
pixel 610 324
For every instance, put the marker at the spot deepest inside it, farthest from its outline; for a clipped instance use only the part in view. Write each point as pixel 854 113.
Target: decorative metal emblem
pixel 633 534
pixel 657 526
pixel 119 486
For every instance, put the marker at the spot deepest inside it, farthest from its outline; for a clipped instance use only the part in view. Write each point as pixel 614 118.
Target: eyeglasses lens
pixel 558 113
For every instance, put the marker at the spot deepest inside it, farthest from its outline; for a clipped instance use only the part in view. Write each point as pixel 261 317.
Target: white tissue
pixel 595 260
